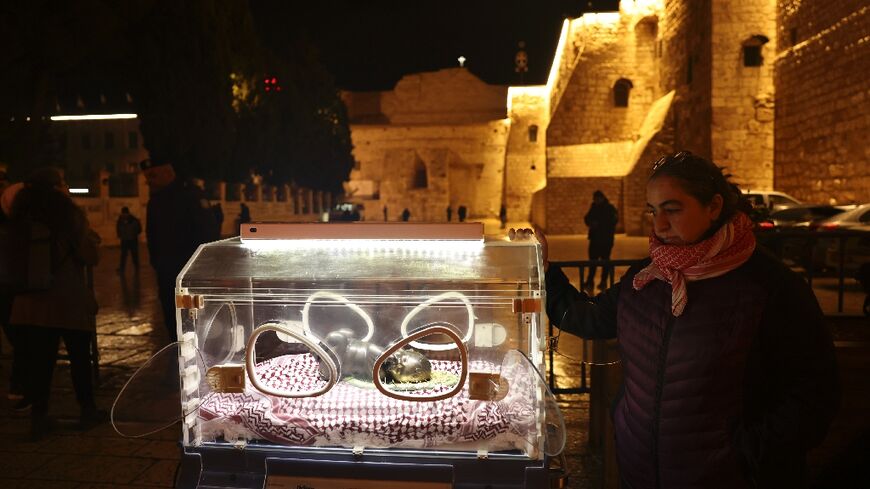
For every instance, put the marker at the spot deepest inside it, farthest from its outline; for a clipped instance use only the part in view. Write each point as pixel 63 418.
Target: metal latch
pixel 226 378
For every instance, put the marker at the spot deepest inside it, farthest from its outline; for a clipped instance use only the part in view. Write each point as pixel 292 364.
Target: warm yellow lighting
pixel 92 117
pixel 539 91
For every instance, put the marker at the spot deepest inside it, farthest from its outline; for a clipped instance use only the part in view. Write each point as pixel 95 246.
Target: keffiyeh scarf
pixel 717 255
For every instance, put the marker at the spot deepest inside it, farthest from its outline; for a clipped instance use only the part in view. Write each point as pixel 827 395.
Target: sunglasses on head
pixel 671 159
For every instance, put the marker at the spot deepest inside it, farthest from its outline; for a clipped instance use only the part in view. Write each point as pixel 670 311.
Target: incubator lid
pixel 278 255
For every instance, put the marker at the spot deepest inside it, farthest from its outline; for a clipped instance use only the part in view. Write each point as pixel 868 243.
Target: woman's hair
pixel 41 200
pixel 703 179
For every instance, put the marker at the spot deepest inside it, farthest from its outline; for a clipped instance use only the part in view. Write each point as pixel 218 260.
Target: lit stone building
pixel 624 88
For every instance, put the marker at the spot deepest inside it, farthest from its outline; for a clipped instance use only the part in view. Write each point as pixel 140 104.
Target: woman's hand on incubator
pixel 525 233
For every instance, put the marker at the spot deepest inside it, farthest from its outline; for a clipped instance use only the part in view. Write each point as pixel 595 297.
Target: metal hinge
pixel 189 301
pixel 526 305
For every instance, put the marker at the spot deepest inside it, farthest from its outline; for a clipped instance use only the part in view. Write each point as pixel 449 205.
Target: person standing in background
pixel 601 220
pixel 128 228
pixel 179 219
pixel 65 309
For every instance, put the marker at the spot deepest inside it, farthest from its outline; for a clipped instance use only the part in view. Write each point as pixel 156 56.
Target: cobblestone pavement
pixel 129 334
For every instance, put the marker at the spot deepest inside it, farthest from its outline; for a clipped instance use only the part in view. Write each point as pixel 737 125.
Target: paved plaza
pixel 129 333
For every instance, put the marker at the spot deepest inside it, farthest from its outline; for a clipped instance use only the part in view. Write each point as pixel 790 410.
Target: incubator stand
pixel 366 356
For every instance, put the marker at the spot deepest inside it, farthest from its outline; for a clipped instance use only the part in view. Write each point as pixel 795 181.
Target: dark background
pixel 371 45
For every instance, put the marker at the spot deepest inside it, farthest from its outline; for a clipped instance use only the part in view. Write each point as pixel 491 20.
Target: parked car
pixel 771 200
pixel 859 216
pixel 803 216
pixel 857 251
pixel 346 211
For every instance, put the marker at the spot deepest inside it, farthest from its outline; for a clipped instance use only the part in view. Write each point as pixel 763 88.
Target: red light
pixel 267 89
pixel 274 80
pixel 278 88
pixel 830 226
pixel 266 81
pixel 765 225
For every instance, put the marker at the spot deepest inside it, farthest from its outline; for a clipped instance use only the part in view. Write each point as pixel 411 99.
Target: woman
pixel 67 309
pixel 729 372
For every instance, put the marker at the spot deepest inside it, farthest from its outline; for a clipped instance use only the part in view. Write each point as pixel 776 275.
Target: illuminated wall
pixel 823 101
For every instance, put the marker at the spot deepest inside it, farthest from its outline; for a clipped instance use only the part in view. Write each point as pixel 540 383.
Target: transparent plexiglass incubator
pixel 356 355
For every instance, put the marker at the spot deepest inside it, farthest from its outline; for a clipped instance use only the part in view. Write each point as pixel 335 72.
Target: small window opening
pixel 420 178
pixel 752 50
pixel 533 133
pixel 621 90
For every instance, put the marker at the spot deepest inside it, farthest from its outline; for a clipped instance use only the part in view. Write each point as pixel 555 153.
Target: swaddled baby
pixel 357 359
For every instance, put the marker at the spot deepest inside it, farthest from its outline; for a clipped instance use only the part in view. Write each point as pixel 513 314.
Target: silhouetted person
pixel 601 220
pixel 16 373
pixel 66 308
pixel 502 216
pixel 461 213
pixel 385 213
pixel 218 213
pixel 128 228
pixel 449 213
pixel 406 214
pixel 244 216
pixel 179 220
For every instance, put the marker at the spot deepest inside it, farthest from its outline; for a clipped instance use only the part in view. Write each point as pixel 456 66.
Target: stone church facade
pixel 780 101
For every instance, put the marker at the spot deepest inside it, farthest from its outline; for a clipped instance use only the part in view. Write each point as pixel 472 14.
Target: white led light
pixel 379 245
pixel 78 191
pixel 92 117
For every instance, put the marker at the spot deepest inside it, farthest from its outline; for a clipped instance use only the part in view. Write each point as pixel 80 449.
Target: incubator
pixel 356 355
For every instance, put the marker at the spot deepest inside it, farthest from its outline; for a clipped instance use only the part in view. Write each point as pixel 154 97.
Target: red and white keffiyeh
pixel 717 255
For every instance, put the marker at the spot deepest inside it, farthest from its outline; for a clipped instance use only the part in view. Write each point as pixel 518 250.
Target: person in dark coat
pixel 218 213
pixel 67 308
pixel 449 213
pixel 406 214
pixel 128 228
pixel 729 371
pixel 461 212
pixel 178 220
pixel 601 220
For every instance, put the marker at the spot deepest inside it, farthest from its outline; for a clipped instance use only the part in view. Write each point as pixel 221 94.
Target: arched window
pixel 420 178
pixel 752 50
pixel 533 133
pixel 621 90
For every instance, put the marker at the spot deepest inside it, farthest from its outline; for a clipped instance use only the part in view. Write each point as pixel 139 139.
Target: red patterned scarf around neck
pixel 727 249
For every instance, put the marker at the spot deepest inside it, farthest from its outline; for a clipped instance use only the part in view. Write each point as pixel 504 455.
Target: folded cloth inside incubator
pixel 351 415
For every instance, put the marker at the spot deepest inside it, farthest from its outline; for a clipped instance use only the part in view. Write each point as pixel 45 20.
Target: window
pixel 621 90
pixel 752 50
pixel 110 140
pixel 420 178
pixel 533 133
pixel 133 140
pixel 86 140
pixel 793 36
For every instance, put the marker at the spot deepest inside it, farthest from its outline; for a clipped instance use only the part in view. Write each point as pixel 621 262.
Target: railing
pixel 812 254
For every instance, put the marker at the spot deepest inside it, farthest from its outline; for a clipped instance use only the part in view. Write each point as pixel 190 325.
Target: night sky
pixel 370 45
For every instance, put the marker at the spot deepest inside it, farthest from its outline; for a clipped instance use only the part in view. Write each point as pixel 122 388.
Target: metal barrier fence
pixel 838 253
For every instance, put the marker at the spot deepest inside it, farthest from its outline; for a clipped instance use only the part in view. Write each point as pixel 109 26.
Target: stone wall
pixel 612 48
pixel 742 96
pixel 570 198
pixel 822 101
pixel 525 159
pixel 685 57
pixel 464 165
